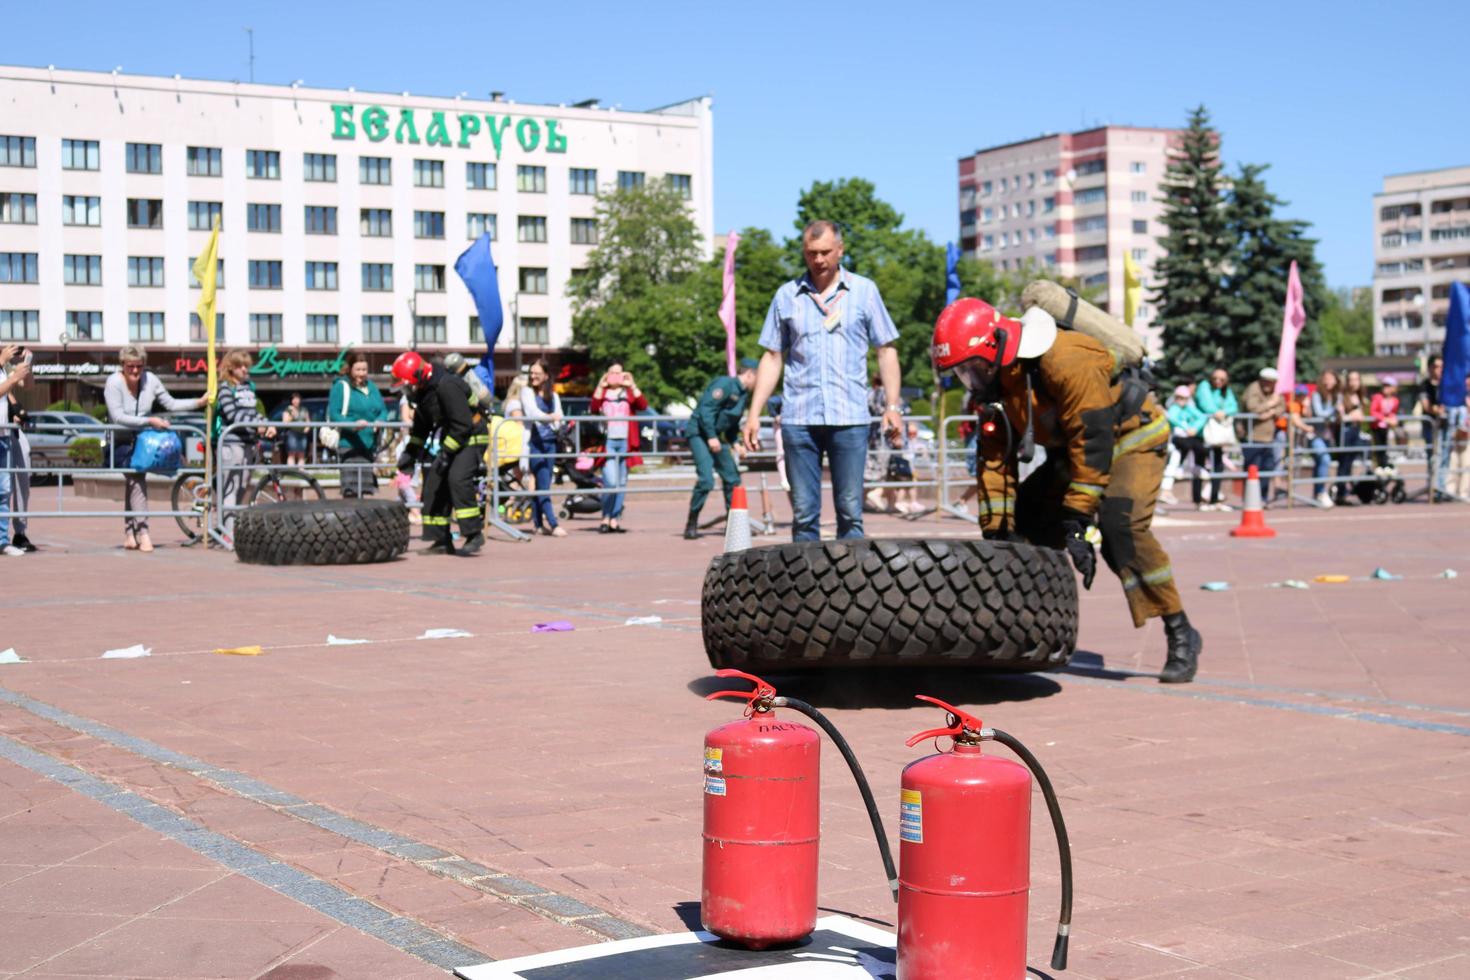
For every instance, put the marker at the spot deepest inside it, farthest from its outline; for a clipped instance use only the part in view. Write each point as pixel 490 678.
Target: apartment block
pixel 1421 243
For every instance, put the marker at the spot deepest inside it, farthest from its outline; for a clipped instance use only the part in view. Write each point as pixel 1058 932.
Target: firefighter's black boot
pixel 691 528
pixel 1185 644
pixel 471 545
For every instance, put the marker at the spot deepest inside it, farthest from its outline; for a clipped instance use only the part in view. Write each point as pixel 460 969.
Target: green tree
pixel 646 238
pixel 1347 323
pixel 1264 246
pixel 1189 278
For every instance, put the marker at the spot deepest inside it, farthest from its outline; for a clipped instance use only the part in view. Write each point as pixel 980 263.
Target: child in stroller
pixel 584 471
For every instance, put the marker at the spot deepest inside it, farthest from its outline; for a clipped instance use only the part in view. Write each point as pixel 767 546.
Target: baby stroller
pixel 584 472
pixel 1381 486
pixel 516 510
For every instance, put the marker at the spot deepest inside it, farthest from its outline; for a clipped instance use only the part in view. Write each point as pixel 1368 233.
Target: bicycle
pixel 191 493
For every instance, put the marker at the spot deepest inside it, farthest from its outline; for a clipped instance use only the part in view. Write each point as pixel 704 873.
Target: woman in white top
pixel 541 407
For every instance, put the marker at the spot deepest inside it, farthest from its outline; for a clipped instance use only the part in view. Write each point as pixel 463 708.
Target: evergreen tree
pixel 1264 248
pixel 1189 279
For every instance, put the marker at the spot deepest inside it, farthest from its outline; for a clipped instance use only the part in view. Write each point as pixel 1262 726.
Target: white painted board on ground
pixel 10 657
pixel 342 641
pixel 839 949
pixel 443 634
pixel 643 620
pixel 127 653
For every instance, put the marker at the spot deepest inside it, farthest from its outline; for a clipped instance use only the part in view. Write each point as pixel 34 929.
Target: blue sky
pixel 1332 95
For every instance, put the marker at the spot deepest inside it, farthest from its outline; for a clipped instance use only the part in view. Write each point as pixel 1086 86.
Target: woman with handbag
pixel 353 404
pixel 132 396
pixel 1217 401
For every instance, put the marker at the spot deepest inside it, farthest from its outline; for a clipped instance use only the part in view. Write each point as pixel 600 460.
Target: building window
pixel 203 213
pixel 530 228
pixel 374 170
pixel 1393 323
pixel 428 278
pixel 967 223
pixel 145 328
pixel 321 328
pixel 265 328
pixel 377 329
pixel 583 180
pixel 1016 208
pixel 584 231
pixel 1051 259
pixel 145 158
pixel 1048 205
pixel 1049 231
pixel 681 184
pixel 81 210
pixel 145 212
pixel 21 266
pixel 1140 227
pixel 81 155
pixel 1092 195
pixel 84 324
pixel 533 280
pixel 145 270
pixel 1449 234
pixel 1394 212
pixel 1091 167
pixel 1098 223
pixel 377 277
pixel 376 223
pixel 986 187
pixel 1031 208
pixel 987 215
pixel 629 180
pixel 205 161
pixel 428 224
pixel 265 274
pixel 531 180
pixel 1140 255
pixel 1137 167
pixel 479 176
pixel 219 274
pixel 320 167
pixel 967 198
pixel 430 330
pixel 1139 197
pixel 17 151
pixel 20 325
pixel 196 328
pixel 80 270
pixel 1005 184
pixel 263 217
pixel 321 220
pixel 535 331
pixel 987 242
pixel 321 275
pixel 478 224
pixel 1031 234
pixel 263 164
pixel 428 173
pixel 1143 310
pixel 1093 253
pixel 1048 177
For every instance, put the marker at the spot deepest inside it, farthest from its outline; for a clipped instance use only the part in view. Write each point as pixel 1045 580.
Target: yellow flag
pixel 205 269
pixel 1132 288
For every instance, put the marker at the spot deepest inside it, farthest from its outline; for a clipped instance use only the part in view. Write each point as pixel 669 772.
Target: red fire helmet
pixel 410 369
pixel 972 328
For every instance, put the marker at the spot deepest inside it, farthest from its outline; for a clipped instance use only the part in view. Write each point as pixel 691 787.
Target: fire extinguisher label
pixel 911 816
pixel 713 759
pixel 714 786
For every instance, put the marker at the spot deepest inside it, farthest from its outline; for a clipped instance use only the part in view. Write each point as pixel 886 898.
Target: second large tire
pixel 876 602
pixel 322 532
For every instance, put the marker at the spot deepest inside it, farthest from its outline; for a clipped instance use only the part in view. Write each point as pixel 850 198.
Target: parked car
pixel 52 433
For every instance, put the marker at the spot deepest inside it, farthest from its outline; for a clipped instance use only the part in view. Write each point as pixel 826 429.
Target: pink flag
pixel 727 305
pixel 1292 321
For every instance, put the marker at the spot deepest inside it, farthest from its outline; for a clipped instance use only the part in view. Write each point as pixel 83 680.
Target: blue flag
pixel 477 268
pixel 951 273
pixel 1456 347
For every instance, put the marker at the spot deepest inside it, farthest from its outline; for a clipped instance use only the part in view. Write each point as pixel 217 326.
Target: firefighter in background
pixel 713 430
pixel 444 403
pixel 1106 441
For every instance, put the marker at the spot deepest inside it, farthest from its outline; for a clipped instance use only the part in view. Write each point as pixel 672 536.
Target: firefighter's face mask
pixel 975 374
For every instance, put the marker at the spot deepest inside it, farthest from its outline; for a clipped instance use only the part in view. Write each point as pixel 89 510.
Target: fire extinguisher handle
pixel 959 722
pixel 763 691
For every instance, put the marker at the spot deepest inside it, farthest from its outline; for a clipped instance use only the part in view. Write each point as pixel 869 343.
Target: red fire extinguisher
pixel 965 858
pixel 762 822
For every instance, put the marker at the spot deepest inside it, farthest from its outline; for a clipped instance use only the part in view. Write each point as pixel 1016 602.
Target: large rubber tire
pixel 322 532
pixel 885 602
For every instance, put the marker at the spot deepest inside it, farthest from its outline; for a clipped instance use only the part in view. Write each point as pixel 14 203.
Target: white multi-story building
pixel 342 213
pixel 1421 224
pixel 1071 204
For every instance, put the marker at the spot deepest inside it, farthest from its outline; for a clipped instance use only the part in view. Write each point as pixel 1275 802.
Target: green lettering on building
pixel 377 122
pixel 271 362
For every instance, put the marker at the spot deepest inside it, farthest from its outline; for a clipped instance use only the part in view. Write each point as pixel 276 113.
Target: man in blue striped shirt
pixel 819 328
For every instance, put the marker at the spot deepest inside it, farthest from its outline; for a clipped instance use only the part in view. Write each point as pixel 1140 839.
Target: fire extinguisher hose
pixel 862 784
pixel 1064 847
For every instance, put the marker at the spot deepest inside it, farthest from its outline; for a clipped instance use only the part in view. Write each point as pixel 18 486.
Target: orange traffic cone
pixel 737 522
pixel 1252 514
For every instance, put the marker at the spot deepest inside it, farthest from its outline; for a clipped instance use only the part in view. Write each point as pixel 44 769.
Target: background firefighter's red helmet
pixel 409 368
pixel 971 328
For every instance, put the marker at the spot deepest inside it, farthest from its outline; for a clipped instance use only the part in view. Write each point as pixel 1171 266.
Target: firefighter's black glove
pixel 1080 549
pixel 441 463
pixel 407 460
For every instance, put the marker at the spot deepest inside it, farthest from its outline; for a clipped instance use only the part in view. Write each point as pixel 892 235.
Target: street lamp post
pixel 413 320
pixel 515 326
pixel 65 370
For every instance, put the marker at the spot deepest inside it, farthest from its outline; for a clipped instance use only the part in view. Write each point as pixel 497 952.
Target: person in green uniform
pixel 713 429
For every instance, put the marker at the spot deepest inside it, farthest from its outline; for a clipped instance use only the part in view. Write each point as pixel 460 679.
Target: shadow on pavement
pixel 894 687
pixel 1085 663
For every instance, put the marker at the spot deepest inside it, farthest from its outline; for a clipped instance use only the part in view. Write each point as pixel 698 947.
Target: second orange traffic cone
pixel 1252 514
pixel 737 522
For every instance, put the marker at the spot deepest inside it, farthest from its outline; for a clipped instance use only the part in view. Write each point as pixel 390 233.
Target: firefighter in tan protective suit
pixel 1106 441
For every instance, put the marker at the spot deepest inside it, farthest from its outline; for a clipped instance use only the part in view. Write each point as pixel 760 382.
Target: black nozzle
pixel 1059 952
